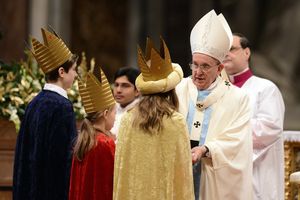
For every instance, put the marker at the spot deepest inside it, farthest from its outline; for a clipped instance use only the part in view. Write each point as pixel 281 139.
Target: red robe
pixel 92 178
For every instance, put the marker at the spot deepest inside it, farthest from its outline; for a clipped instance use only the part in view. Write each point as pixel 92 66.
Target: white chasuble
pixel 227 174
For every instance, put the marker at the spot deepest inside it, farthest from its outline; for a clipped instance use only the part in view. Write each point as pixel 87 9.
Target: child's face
pixel 110 118
pixel 70 76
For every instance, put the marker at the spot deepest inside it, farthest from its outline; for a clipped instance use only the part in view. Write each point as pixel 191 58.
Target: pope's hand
pixel 198 153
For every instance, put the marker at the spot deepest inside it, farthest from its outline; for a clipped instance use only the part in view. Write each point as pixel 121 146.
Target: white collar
pixel 214 84
pixel 231 77
pixel 55 88
pixel 129 106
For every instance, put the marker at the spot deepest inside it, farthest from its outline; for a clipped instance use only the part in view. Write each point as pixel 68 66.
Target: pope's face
pixel 205 71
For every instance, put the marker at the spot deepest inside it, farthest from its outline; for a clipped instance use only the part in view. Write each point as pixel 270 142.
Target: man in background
pixel 266 122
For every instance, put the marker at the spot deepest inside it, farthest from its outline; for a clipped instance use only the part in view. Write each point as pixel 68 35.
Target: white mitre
pixel 211 36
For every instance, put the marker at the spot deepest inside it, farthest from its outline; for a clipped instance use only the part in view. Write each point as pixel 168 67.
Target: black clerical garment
pixel 44 149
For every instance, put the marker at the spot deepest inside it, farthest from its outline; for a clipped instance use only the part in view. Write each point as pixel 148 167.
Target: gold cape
pixel 153 167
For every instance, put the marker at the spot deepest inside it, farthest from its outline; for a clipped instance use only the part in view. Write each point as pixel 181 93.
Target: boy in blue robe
pixel 44 144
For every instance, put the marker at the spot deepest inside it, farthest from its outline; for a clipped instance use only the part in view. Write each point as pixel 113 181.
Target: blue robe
pixel 44 149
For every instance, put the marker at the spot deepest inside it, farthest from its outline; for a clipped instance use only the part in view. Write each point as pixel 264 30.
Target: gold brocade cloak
pixel 153 167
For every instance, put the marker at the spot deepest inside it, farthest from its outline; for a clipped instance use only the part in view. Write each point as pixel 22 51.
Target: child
pixel 44 146
pixel 153 158
pixel 93 160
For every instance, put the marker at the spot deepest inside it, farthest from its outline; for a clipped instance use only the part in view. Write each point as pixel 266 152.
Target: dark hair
pixel 53 75
pixel 130 72
pixel 243 40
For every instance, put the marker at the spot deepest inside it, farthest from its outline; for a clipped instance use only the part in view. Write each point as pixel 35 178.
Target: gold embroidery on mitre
pixel 52 53
pixel 96 94
pixel 155 65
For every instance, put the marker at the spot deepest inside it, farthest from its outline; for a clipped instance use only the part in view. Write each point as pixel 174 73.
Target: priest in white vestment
pixel 218 117
pixel 267 121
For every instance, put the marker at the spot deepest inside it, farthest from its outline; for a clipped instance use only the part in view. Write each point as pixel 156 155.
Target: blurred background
pixel 109 31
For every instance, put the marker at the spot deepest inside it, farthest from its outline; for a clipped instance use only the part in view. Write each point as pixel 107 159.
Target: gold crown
pixel 52 53
pixel 155 65
pixel 96 94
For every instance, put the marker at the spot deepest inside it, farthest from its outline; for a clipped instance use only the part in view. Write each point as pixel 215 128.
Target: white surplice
pixel 267 129
pixel 119 113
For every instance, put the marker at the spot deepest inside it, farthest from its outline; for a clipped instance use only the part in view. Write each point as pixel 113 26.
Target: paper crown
pixel 96 94
pixel 158 74
pixel 211 36
pixel 52 53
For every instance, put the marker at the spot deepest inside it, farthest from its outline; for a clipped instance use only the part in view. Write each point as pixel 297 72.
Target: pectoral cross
pixel 197 124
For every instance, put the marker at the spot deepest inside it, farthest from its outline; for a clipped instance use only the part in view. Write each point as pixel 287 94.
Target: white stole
pixel 217 91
